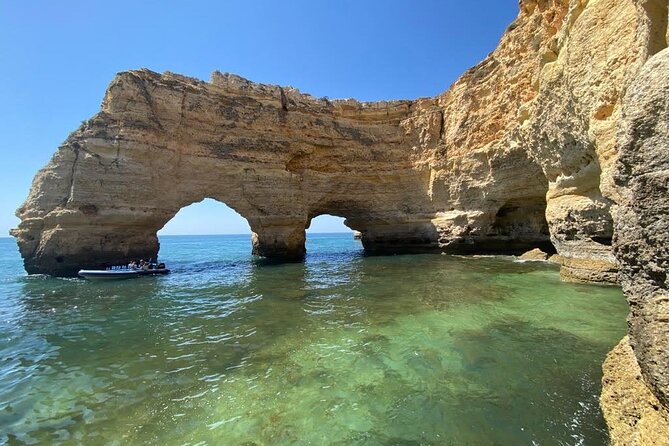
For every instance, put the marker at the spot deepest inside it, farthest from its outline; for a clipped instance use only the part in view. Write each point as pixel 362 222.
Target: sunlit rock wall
pixel 516 154
pixel 519 153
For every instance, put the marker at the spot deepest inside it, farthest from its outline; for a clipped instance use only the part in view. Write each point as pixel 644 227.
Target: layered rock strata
pixel 519 153
pixel 276 156
pixel 515 155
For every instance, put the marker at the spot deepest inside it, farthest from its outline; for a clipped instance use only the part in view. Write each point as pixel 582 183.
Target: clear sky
pixel 58 57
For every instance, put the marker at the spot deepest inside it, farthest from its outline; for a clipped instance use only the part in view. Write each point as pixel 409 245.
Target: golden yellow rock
pixel 534 255
pixel 519 153
pixel 634 415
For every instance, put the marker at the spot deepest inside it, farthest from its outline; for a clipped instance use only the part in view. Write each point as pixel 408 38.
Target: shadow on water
pixel 423 349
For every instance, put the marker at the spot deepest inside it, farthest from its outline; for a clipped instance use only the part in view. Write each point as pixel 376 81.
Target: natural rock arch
pixel 536 118
pixel 274 155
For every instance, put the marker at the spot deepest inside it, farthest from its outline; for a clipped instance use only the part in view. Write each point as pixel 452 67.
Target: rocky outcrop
pixel 519 153
pixel 642 219
pixel 536 255
pixel 634 415
pixel 485 167
pixel 276 156
pixel 572 123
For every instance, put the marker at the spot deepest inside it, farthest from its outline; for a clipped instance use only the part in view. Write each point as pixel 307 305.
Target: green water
pixel 343 349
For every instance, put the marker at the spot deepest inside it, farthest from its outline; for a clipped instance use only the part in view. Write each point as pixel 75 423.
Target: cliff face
pixel 550 94
pixel 515 155
pixel 409 175
pixel 642 222
pixel 572 125
pixel 519 153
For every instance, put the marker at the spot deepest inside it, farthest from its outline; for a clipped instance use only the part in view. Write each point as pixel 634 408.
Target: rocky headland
pixel 556 139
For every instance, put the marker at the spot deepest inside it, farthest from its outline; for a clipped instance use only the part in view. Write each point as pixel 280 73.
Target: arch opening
pixel 207 232
pixel 327 224
pixel 206 217
pixel 331 235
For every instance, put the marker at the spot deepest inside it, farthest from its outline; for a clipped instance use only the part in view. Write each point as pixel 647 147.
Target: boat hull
pixel 92 274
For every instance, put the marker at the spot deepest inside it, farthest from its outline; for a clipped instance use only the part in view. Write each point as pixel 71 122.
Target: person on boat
pixel 132 265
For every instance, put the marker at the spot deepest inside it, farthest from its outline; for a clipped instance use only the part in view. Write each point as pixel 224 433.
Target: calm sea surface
pixel 343 349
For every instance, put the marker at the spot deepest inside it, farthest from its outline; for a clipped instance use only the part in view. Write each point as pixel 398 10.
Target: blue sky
pixel 59 56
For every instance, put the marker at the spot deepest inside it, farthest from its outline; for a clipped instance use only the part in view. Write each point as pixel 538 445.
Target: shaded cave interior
pixel 522 223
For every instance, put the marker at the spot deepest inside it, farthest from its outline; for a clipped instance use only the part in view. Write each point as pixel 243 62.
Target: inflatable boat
pixel 125 273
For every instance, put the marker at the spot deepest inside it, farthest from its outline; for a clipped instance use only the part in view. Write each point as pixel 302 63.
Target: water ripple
pixel 342 349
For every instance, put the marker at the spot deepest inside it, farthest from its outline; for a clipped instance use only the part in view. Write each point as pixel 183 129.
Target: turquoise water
pixel 343 349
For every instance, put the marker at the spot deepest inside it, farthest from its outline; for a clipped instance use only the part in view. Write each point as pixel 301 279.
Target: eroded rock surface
pixel 634 415
pixel 515 155
pixel 642 219
pixel 536 255
pixel 519 153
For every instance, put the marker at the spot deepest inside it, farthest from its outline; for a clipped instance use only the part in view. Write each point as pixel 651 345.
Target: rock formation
pixel 634 415
pixel 642 240
pixel 279 158
pixel 467 171
pixel 519 153
pixel 536 255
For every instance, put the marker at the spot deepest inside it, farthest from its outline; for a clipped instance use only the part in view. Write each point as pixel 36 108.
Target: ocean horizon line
pixel 243 233
pixel 204 235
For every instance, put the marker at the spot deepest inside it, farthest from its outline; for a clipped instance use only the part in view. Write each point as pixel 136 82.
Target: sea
pixel 342 349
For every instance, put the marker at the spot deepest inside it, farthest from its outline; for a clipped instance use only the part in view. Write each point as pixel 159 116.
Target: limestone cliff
pixel 485 167
pixel 519 153
pixel 642 221
pixel 519 150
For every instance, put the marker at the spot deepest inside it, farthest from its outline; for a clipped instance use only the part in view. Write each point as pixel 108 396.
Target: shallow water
pixel 343 349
